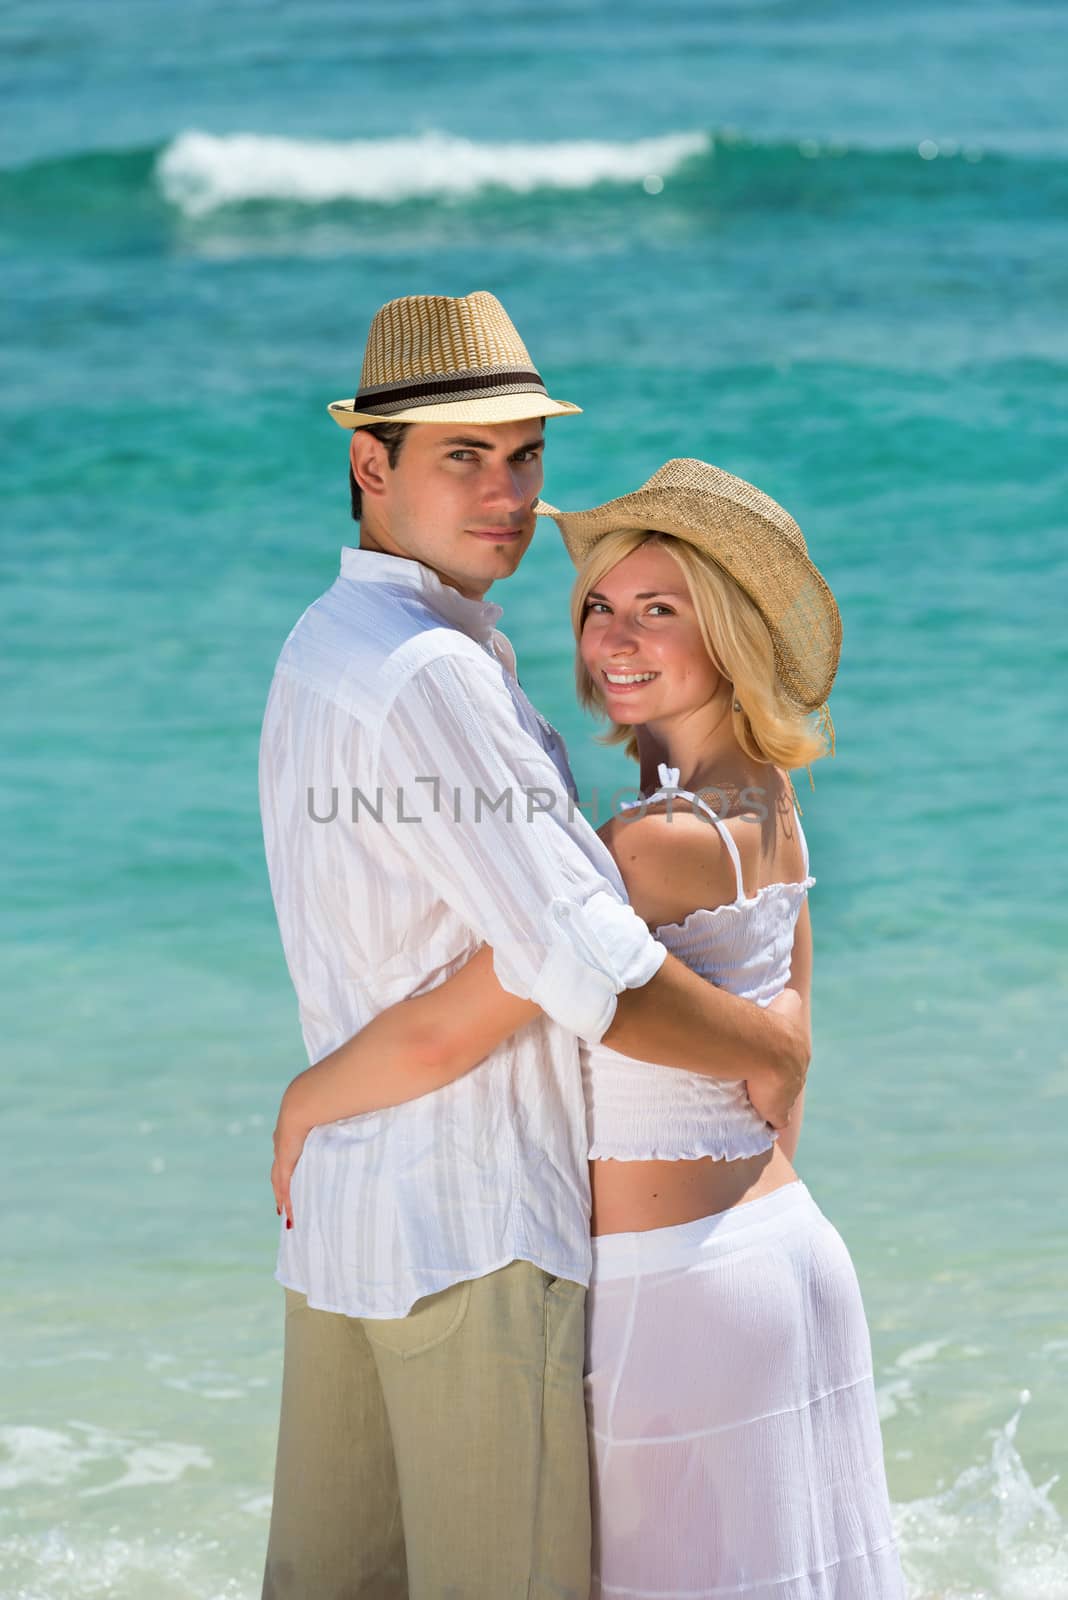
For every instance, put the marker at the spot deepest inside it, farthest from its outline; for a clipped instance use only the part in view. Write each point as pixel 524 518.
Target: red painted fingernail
pixel 279 1210
pixel 289 1222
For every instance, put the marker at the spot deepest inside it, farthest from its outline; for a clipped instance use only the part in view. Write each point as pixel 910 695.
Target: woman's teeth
pixel 630 677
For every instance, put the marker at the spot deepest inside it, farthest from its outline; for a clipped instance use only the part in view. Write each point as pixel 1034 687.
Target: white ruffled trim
pixel 737 905
pixel 753 1143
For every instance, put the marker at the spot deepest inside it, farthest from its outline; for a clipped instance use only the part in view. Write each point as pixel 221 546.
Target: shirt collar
pixel 476 618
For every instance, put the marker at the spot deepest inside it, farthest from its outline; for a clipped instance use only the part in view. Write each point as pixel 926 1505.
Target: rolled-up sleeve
pixel 478 808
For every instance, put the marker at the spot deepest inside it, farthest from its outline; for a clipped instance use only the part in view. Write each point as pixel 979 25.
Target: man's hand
pixel 774 1090
pixel 289 1137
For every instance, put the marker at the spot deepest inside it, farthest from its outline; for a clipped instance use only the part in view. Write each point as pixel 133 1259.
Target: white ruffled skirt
pixel 734 1438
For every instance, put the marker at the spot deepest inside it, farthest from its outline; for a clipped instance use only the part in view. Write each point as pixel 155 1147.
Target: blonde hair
pixel 769 727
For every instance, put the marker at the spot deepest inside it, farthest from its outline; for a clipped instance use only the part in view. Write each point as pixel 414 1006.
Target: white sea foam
pixel 921 1355
pixel 66 1564
pixel 200 172
pixel 205 1392
pixel 32 1455
pixel 211 1382
pixel 154 1463
pixel 894 1396
pixel 67 1358
pixel 257 1505
pixel 41 1455
pixel 896 1393
pixel 993 1535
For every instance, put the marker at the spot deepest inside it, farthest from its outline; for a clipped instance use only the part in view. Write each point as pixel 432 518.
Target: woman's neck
pixel 702 747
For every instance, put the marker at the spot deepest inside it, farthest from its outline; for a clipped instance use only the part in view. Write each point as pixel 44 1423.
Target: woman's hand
pixel 289 1136
pixel 775 1092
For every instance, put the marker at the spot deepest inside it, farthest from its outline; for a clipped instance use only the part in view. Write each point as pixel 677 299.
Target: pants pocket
pixel 565 1324
pixel 428 1324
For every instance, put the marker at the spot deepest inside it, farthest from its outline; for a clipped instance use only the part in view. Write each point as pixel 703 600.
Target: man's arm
pixel 411 1049
pixel 489 825
pixel 679 1019
pixel 543 891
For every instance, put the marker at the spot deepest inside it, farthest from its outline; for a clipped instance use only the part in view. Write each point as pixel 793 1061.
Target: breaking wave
pixel 200 172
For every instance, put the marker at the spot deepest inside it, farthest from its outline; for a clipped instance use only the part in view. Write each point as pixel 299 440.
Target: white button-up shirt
pixel 415 805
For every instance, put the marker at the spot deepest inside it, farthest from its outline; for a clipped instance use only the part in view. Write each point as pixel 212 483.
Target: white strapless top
pixel 639 1111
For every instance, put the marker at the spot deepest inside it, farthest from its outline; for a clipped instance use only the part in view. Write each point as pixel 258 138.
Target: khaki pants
pixel 441 1454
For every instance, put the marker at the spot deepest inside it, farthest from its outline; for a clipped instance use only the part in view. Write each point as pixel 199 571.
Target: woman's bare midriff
pixel 634 1196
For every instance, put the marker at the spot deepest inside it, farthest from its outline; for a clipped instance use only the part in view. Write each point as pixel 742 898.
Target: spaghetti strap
pixel 727 837
pixel 669 777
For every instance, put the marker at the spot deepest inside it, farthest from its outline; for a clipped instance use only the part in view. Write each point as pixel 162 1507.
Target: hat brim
pixel 493 408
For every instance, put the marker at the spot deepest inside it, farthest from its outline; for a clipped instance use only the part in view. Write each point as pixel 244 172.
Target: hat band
pixel 429 391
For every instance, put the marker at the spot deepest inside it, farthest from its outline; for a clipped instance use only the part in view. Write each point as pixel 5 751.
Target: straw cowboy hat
pixel 430 358
pixel 753 540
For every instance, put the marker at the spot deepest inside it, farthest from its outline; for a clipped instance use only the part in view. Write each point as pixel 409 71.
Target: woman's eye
pixel 594 607
pixel 665 609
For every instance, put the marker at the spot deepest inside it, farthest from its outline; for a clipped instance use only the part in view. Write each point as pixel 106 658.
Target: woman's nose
pixel 618 636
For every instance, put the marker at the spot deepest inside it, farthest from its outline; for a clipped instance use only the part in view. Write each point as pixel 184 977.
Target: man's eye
pixel 461 455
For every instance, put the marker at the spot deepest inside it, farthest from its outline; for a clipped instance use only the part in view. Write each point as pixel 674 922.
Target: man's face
pixel 460 498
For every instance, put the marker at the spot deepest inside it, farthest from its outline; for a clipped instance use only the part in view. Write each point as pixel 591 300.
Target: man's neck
pixel 376 539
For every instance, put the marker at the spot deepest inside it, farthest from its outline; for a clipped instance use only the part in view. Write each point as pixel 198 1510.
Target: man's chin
pixel 501 560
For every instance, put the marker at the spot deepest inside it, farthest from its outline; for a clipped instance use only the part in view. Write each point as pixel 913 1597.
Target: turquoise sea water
pixel 823 248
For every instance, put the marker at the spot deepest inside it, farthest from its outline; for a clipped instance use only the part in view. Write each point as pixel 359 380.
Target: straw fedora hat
pixel 753 540
pixel 431 358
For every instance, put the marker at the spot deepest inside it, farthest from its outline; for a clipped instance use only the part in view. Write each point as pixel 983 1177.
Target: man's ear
pixel 370 463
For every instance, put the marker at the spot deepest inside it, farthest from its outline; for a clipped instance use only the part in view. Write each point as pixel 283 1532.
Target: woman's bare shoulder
pixel 672 861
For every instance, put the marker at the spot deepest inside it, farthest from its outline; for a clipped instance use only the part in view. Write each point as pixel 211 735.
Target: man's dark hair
pixel 391 434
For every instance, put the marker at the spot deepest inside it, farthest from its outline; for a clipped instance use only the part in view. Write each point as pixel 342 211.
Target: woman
pixel 734 1440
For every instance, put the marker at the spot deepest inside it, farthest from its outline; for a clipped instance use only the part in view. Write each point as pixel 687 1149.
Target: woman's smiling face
pixel 641 642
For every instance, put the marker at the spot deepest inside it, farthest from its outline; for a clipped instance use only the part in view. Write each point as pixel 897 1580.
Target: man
pixel 415 805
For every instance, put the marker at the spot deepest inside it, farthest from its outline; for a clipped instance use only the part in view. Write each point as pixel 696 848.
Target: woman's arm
pixel 408 1050
pixel 801 981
